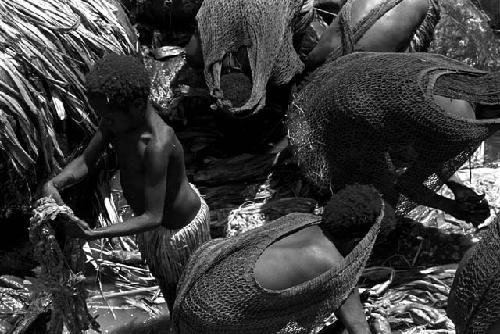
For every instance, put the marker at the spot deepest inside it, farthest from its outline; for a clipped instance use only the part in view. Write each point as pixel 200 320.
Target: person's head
pixel 118 88
pixel 352 211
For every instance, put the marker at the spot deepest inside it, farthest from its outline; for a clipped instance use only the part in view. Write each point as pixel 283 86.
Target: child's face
pixel 117 118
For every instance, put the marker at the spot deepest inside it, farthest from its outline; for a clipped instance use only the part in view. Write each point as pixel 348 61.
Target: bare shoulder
pixel 162 135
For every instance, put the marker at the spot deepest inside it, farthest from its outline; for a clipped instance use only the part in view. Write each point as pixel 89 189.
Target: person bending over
pixel 403 122
pixel 286 276
pixel 474 302
pixel 171 219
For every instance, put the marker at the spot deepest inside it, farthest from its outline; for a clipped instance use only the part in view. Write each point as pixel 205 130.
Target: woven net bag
pixel 361 115
pixel 267 30
pixel 218 292
pixel 473 303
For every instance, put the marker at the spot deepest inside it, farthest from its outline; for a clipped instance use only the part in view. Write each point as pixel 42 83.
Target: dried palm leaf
pixel 45 49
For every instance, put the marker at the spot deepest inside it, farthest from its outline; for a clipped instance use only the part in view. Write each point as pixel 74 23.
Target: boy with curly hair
pixel 171 219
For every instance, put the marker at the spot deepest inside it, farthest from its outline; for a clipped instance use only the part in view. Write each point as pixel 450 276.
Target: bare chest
pixel 130 155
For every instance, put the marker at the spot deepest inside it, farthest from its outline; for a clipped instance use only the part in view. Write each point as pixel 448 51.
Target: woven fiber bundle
pixel 218 292
pixel 371 118
pixel 62 264
pixel 266 29
pixel 474 303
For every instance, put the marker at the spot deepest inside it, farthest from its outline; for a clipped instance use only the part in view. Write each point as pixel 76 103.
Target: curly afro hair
pixel 352 211
pixel 119 78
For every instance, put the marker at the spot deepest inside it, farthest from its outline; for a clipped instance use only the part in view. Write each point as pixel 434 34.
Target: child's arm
pixel 352 315
pixel 77 169
pixel 155 162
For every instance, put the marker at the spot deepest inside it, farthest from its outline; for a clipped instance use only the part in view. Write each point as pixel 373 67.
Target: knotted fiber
pixel 62 264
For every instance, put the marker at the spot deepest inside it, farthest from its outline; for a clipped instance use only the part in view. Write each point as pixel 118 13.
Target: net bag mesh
pixel 219 294
pixel 473 303
pixel 360 113
pixel 266 29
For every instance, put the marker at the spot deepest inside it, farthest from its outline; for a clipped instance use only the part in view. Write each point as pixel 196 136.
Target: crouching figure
pixel 404 122
pixel 171 219
pixel 286 276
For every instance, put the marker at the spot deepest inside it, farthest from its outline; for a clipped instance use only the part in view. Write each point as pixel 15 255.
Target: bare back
pixel 463 109
pixel 391 33
pixel 394 30
pixel 296 259
pixel 181 202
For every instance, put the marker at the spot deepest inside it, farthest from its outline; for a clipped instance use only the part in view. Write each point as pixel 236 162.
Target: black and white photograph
pixel 250 166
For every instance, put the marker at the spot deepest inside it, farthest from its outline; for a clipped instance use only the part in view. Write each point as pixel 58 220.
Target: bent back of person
pixel 227 286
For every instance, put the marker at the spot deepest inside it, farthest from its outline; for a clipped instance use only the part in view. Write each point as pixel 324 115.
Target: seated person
pixel 171 219
pixel 474 302
pixel 286 276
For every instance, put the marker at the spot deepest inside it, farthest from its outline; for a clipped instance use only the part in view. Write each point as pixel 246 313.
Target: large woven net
pixel 218 292
pixel 371 118
pixel 266 29
pixel 474 303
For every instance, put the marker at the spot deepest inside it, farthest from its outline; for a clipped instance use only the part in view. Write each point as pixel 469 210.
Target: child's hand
pixel 472 211
pixel 463 193
pixel 78 229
